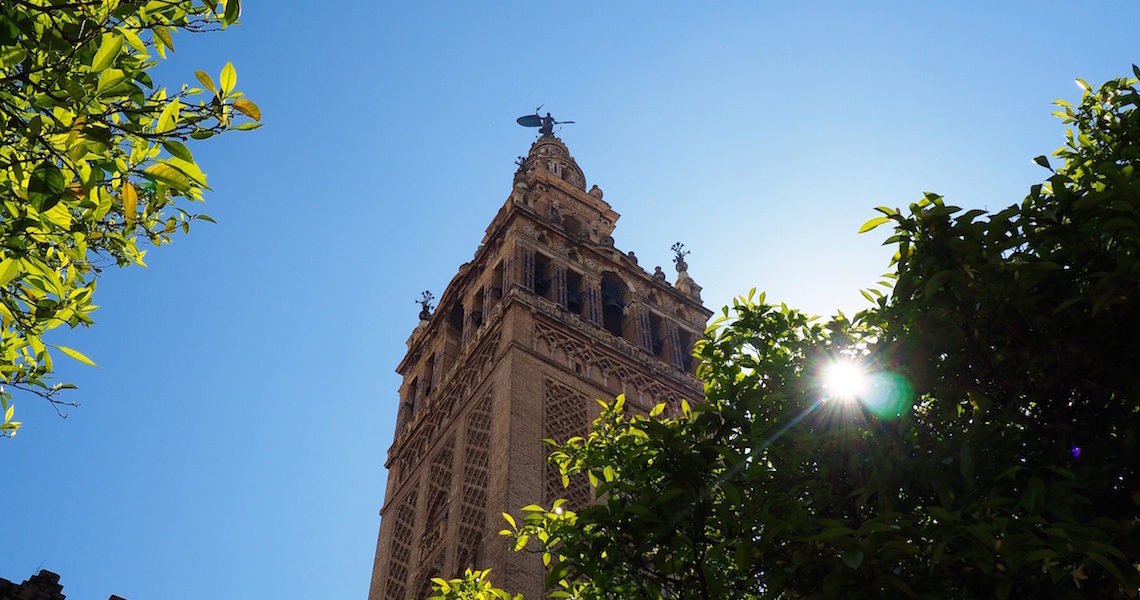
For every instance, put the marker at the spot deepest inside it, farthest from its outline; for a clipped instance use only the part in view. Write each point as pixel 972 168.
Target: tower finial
pixel 679 260
pixel 545 124
pixel 425 305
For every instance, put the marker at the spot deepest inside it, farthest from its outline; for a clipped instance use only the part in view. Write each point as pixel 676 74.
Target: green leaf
pixel 178 149
pixel 967 463
pixel 873 223
pixel 46 186
pixel 233 11
pixel 228 78
pixel 107 53
pixel 852 558
pixel 11 56
pixel 77 355
pixel 1044 162
pixel 204 77
pixel 510 520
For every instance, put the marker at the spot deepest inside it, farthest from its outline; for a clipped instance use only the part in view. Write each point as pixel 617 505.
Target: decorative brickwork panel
pixel 401 548
pixel 473 511
pixel 439 491
pixel 434 415
pixel 554 340
pixel 411 455
pixel 434 568
pixel 564 417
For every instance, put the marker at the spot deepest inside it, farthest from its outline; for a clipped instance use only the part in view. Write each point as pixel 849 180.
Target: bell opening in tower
pixel 613 304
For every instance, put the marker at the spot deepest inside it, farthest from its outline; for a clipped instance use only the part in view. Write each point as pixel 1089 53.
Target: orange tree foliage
pixel 993 452
pixel 93 160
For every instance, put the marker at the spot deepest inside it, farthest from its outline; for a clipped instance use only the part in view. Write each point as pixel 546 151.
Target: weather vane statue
pixel 545 124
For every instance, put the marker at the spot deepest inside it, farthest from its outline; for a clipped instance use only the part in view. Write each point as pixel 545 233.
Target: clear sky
pixel 231 443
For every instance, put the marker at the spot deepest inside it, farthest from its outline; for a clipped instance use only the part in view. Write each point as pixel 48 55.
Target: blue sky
pixel 231 443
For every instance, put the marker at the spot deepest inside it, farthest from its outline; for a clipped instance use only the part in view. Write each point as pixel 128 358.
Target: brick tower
pixel 546 317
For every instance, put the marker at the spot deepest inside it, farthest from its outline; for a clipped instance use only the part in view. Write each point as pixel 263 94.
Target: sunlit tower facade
pixel 546 317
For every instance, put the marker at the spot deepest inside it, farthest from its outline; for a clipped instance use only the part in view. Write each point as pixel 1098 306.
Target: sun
pixel 845 380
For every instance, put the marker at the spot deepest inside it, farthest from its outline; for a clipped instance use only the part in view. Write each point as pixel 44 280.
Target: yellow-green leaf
pixel 168 118
pixel 58 215
pixel 248 108
pixel 77 355
pixel 189 168
pixel 130 201
pixel 228 78
pixel 169 175
pixel 873 223
pixel 109 78
pixel 9 267
pixel 163 34
pixel 133 40
pixel 204 77
pixel 107 53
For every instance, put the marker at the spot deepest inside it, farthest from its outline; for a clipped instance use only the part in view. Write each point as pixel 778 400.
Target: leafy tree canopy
pixel 94 161
pixel 990 450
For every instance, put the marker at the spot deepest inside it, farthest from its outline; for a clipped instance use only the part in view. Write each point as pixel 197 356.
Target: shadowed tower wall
pixel 546 317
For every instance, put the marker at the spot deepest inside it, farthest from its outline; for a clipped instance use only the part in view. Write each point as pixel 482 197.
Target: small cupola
pixel 550 154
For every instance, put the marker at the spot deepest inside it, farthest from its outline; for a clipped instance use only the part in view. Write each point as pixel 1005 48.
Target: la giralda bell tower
pixel 547 317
